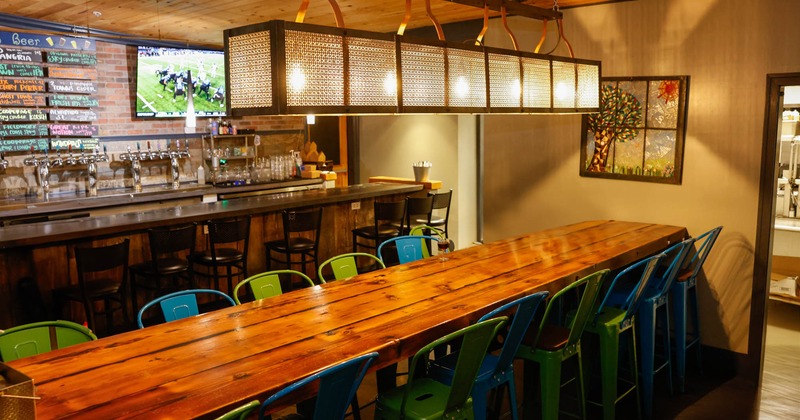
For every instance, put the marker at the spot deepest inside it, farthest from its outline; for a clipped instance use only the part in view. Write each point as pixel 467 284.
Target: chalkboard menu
pixel 46 88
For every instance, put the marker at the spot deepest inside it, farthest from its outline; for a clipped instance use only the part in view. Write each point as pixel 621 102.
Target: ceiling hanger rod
pixel 514 8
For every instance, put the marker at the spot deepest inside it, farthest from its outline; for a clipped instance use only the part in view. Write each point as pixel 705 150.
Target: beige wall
pixel 727 48
pixel 391 144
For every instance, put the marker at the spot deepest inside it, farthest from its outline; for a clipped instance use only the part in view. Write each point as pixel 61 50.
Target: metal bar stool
pixel 297 227
pixel 169 251
pixel 102 276
pixel 388 223
pixel 228 241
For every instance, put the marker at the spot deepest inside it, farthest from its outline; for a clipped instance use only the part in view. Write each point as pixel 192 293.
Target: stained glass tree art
pixel 620 114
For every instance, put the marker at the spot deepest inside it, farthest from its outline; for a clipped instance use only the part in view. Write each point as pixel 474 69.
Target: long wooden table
pixel 205 365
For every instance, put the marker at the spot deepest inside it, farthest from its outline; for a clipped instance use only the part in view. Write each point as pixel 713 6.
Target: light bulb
pixel 462 87
pixel 390 83
pixel 311 119
pixel 563 92
pixel 516 89
pixel 297 80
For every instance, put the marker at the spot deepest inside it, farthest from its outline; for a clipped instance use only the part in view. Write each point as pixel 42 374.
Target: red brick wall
pixel 116 68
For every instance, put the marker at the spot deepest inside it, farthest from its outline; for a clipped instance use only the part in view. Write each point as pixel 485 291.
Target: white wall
pixel 727 48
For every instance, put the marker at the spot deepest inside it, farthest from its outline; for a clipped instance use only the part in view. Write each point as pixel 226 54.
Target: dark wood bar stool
pixel 228 240
pixel 297 227
pixel 388 223
pixel 169 251
pixel 102 276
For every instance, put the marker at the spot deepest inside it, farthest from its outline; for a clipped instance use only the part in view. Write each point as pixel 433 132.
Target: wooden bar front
pixel 44 251
pixel 205 365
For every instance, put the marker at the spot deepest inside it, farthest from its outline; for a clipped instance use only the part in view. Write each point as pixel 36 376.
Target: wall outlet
pixel 355 205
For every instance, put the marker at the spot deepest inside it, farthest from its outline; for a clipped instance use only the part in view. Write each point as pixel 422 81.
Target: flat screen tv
pixel 161 82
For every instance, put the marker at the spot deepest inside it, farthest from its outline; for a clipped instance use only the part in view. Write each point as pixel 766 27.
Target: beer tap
pixel 92 170
pixel 82 158
pixel 57 161
pixel 186 151
pixel 127 155
pixel 70 160
pixel 44 172
pixel 104 157
pixel 3 161
pixel 31 161
pixel 150 153
pixel 163 154
pixel 174 164
pixel 142 155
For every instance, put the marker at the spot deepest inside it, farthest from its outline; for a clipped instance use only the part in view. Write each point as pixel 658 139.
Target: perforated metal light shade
pixel 287 68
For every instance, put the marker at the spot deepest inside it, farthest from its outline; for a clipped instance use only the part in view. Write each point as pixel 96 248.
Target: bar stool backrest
pixel 228 231
pixel 389 214
pixel 344 265
pixel 418 208
pixel 181 304
pixel 635 278
pixel 667 271
pixel 171 241
pixel 103 258
pixel 267 284
pixel 409 248
pixel 41 337
pixel 706 242
pixel 299 221
pixel 337 387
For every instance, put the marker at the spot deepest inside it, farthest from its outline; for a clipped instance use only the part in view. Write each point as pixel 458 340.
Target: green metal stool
pixel 425 398
pixel 553 345
pixel 35 338
pixel 242 412
pixel 344 265
pixel 610 322
pixel 267 284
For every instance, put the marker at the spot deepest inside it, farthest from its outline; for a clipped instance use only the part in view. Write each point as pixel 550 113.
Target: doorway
pixel 774 345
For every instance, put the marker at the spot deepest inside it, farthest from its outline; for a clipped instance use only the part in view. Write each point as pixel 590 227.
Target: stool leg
pixel 550 384
pixel 679 313
pixel 647 339
pixel 664 318
pixel 692 296
pixel 609 369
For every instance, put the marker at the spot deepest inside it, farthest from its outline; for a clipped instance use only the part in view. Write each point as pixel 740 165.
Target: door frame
pixel 764 228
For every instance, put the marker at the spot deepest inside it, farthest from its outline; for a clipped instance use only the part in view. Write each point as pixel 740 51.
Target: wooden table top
pixel 207 364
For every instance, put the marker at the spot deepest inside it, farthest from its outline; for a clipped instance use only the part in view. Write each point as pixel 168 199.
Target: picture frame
pixel 639 133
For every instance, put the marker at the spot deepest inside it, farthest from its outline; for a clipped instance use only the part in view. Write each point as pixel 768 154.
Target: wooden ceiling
pixel 201 22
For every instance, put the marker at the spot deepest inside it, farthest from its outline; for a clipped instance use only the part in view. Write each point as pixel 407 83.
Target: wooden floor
pixel 780 390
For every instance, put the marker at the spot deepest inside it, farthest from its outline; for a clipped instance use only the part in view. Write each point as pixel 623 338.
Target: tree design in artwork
pixel 620 114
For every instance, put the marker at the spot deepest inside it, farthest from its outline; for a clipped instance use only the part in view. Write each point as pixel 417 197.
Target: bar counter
pixel 44 251
pixel 65 230
pixel 205 365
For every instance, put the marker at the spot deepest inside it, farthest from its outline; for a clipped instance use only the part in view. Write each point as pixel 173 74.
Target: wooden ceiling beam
pixel 513 7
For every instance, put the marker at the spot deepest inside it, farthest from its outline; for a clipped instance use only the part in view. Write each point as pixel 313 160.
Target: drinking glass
pixel 443 244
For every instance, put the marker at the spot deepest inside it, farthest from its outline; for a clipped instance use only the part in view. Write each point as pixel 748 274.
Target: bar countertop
pixel 56 202
pixel 64 230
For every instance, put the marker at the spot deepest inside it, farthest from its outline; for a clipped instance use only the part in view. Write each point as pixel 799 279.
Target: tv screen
pixel 161 82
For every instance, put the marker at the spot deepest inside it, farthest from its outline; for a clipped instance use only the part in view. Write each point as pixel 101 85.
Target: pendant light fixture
pixel 293 68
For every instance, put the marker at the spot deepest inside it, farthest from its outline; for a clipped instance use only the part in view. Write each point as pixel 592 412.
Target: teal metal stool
pixel 179 305
pixel 684 295
pixel 337 387
pixel 553 345
pixel 496 370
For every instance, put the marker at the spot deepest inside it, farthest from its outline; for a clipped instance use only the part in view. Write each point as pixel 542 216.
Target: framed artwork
pixel 638 134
